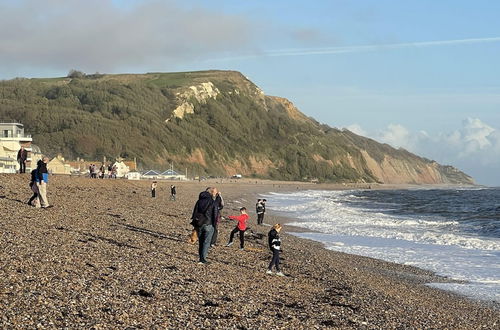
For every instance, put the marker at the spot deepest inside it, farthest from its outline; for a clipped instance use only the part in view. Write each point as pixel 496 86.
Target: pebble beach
pixel 108 256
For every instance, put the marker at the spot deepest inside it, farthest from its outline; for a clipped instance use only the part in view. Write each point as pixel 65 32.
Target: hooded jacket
pixel 42 173
pixel 274 240
pixel 206 206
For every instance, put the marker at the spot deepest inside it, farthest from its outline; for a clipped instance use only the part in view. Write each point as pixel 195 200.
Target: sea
pixel 452 232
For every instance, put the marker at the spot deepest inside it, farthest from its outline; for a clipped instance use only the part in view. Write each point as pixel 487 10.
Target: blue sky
pixel 440 100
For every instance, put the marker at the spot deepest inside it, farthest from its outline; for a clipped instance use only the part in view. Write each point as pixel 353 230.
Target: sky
pixel 423 75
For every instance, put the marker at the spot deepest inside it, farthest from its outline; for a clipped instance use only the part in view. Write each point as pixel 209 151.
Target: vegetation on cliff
pixel 211 122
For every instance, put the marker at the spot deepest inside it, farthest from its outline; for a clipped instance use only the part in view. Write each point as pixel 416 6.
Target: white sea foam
pixel 427 242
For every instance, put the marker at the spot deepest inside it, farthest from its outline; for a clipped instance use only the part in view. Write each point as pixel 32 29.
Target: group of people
pixel 110 171
pixel 206 218
pixel 38 184
pixel 173 190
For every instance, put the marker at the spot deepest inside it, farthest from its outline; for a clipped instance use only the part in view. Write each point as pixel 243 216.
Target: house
pixel 133 176
pixel 121 168
pixel 12 138
pixel 58 166
pixel 151 174
pixel 172 175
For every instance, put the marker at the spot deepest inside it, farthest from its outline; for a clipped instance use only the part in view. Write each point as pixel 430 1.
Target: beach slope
pixel 107 255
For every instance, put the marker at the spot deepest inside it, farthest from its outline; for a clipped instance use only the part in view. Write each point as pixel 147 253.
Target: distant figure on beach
pixel 241 227
pixel 42 179
pixel 34 200
pixel 173 192
pixel 154 184
pixel 219 205
pixel 103 170
pixel 22 156
pixel 93 171
pixel 259 209
pixel 275 246
pixel 114 170
pixel 264 213
pixel 203 219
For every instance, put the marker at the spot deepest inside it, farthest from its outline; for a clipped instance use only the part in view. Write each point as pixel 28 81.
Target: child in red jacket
pixel 241 227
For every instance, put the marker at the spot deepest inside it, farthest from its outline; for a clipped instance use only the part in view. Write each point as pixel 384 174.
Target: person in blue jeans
pixel 203 219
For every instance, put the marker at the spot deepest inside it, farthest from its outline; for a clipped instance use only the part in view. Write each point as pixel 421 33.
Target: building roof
pixel 151 173
pixel 170 173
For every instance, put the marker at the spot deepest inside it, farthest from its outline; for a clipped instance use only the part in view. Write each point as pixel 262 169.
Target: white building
pixel 133 176
pixel 173 175
pixel 12 137
pixel 121 169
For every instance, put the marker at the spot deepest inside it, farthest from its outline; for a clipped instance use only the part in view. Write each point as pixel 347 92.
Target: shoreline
pixel 108 255
pixel 425 276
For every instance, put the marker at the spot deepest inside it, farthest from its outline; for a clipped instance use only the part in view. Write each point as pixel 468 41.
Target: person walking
pixel 173 192
pixel 203 219
pixel 42 181
pixel 264 211
pixel 22 156
pixel 275 246
pixel 154 184
pixel 241 227
pixel 219 205
pixel 259 209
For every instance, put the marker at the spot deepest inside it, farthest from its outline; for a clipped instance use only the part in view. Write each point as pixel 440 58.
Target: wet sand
pixel 107 255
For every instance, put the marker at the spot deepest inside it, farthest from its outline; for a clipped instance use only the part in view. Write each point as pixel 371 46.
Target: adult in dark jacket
pixel 22 156
pixel 219 205
pixel 203 219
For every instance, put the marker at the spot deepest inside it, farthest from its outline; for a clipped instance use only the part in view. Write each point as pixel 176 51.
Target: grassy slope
pixel 124 115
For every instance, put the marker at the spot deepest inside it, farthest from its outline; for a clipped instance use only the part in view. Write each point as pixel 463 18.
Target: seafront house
pixel 59 166
pixel 12 137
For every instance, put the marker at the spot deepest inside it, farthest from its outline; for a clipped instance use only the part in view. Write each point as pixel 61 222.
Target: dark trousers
pixel 260 218
pixel 22 166
pixel 153 192
pixel 35 195
pixel 275 260
pixel 242 236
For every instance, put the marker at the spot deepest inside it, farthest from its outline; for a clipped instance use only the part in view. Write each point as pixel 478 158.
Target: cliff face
pixel 211 122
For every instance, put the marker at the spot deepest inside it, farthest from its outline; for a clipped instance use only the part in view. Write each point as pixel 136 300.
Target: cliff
pixel 210 122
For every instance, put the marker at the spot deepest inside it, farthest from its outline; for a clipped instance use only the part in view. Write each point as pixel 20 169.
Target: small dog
pixel 193 237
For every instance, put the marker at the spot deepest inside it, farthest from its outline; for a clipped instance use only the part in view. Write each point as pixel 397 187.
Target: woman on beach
pixel 275 246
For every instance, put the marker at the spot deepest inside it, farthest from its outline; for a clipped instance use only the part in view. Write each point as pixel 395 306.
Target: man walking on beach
pixel 42 180
pixel 22 156
pixel 203 219
pixel 219 205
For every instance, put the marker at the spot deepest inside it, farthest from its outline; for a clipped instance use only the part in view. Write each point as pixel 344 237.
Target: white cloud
pixel 396 135
pixel 357 129
pixel 474 147
pixel 98 35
